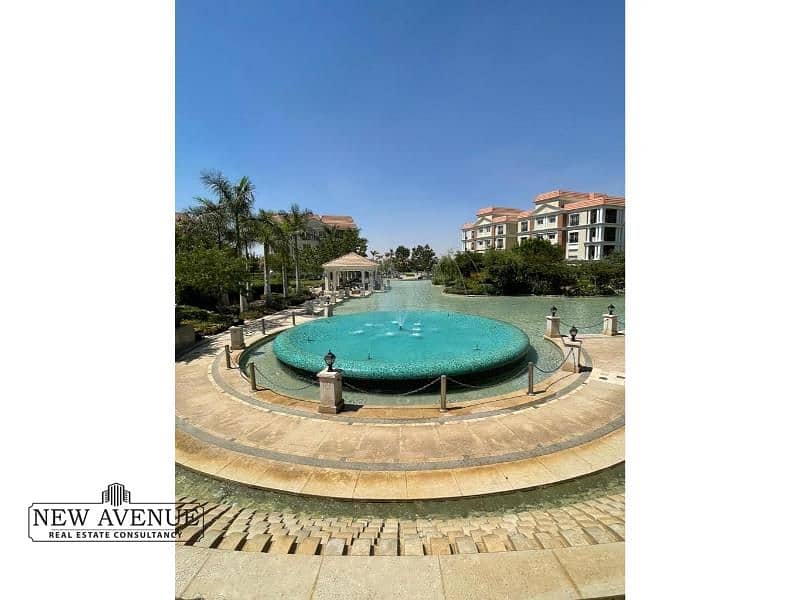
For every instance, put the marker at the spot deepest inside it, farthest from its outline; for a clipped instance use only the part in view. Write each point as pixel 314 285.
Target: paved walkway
pixel 580 572
pixel 572 428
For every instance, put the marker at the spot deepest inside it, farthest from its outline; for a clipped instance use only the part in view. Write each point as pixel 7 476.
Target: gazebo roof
pixel 351 261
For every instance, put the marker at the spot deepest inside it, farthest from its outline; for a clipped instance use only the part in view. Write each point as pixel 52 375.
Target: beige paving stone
pixel 380 485
pixel 386 547
pixel 617 528
pixel 256 542
pixel 547 540
pixel 597 571
pixel 232 541
pixel 281 544
pixel 379 578
pixel 413 547
pixel 334 547
pixel 244 576
pixel 188 562
pixel 360 547
pixel 520 542
pixel 345 536
pixel 465 545
pixel 574 537
pixel 599 535
pixel 309 545
pixel 494 543
pixel 508 575
pixel 440 545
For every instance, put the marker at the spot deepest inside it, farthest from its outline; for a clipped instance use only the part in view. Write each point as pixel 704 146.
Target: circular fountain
pixel 397 346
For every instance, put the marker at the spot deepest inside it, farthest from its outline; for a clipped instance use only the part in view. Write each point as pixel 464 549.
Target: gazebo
pixel 344 269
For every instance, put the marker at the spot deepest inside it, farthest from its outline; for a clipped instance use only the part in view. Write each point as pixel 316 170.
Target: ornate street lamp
pixel 553 311
pixel 611 309
pixel 330 358
pixel 573 331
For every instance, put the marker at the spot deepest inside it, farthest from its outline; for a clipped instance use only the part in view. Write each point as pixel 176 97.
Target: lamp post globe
pixel 553 311
pixel 573 331
pixel 611 309
pixel 330 358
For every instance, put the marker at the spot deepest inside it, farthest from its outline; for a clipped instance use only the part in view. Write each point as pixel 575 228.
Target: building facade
pixel 588 226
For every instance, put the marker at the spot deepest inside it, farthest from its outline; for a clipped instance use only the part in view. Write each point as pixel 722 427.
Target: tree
pixel 211 213
pixel 401 255
pixel 209 271
pixel 295 223
pixel 423 258
pixel 237 201
pixel 269 231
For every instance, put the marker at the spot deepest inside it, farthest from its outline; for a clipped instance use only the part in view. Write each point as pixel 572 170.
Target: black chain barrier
pixel 558 367
pixel 279 386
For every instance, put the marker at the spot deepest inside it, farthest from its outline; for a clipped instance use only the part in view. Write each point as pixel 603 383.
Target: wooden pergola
pixel 345 268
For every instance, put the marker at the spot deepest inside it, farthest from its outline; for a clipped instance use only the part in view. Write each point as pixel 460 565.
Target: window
pixel 590 252
pixel 592 233
pixel 593 216
pixel 573 237
pixel 499 230
pixel 551 236
pixel 472 246
pixel 540 221
pixel 551 219
pixel 574 219
pixel 611 215
pixel 499 243
pixel 523 226
pixel 609 234
pixel 524 238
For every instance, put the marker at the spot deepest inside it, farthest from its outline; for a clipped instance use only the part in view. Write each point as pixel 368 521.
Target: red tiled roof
pixel 489 210
pixel 597 201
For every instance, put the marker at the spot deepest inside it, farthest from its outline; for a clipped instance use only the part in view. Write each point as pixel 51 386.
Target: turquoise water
pixel 608 481
pixel 526 312
pixel 403 344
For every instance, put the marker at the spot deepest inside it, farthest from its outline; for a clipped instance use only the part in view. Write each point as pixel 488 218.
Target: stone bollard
pixel 443 393
pixel 551 327
pixel 263 327
pixel 330 391
pixel 610 325
pixel 237 337
pixel 327 310
pixel 530 379
pixel 251 375
pixel 573 363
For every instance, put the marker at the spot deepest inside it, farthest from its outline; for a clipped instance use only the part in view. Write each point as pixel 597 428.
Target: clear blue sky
pixel 406 115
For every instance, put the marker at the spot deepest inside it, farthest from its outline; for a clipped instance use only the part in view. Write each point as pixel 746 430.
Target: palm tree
pixel 237 200
pixel 295 222
pixel 269 231
pixel 213 212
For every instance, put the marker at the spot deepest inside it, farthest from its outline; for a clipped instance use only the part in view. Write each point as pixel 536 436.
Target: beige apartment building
pixel 589 226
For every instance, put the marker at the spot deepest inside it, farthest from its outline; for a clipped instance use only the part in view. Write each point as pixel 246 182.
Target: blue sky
pixel 406 115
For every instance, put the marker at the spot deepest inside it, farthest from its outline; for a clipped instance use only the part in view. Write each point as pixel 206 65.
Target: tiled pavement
pixel 597 521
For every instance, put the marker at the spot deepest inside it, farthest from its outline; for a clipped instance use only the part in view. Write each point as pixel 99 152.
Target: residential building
pixel 589 226
pixel 494 227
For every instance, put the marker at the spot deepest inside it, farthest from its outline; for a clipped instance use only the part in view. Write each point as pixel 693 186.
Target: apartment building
pixel 589 226
pixel 494 227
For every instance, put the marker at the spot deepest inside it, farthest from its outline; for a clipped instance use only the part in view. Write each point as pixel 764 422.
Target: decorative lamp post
pixel 553 311
pixel 573 331
pixel 611 309
pixel 330 358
